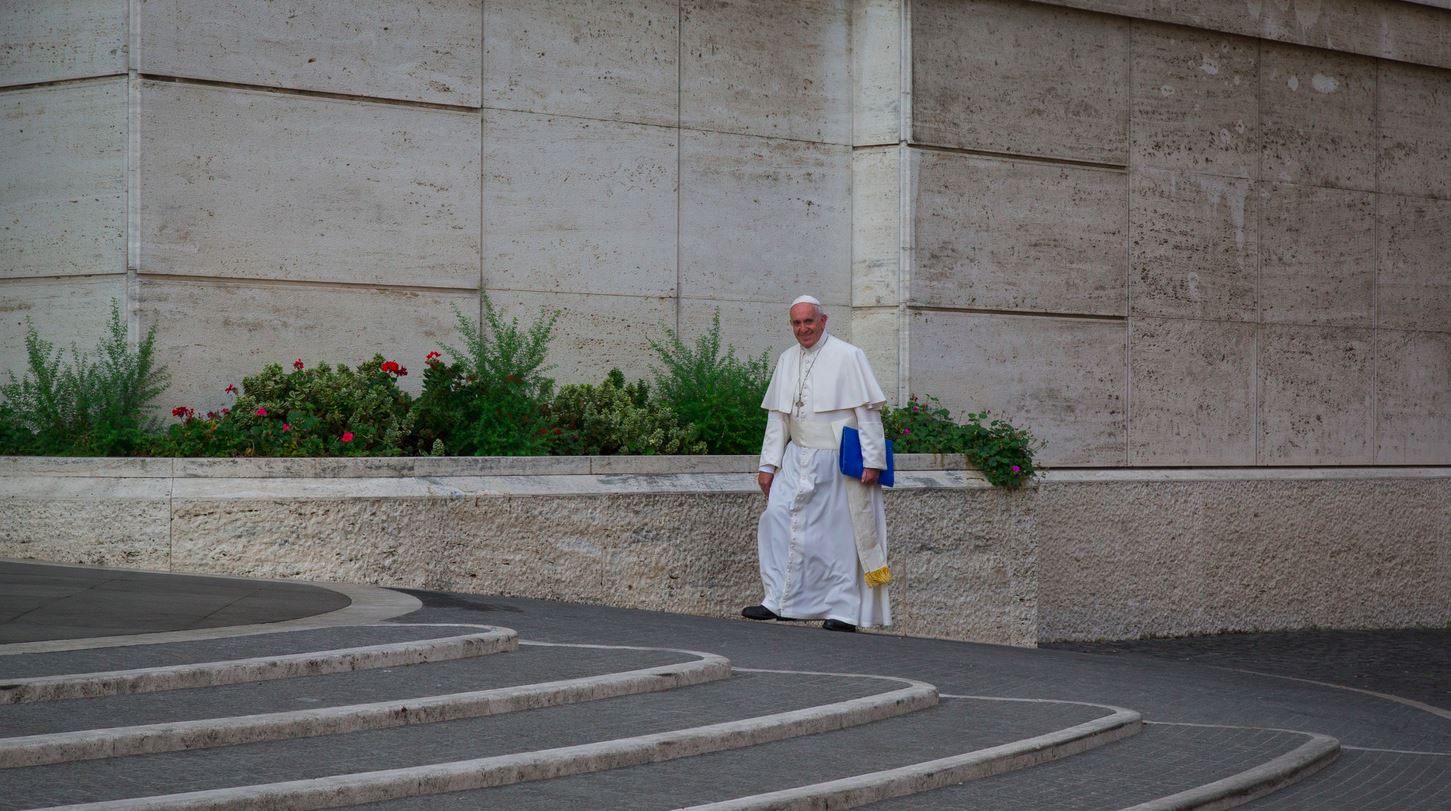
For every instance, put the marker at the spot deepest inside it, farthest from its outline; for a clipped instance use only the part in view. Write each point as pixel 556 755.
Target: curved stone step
pixel 260 668
pixel 305 773
pixel 395 711
pixel 1167 766
pixel 955 740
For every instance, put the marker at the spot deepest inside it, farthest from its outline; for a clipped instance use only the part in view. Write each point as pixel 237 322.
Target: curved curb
pixel 259 668
pixel 874 787
pixel 1237 789
pixel 437 778
pixel 36 750
pixel 369 604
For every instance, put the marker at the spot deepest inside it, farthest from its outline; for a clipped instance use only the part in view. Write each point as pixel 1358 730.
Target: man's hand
pixel 870 475
pixel 763 480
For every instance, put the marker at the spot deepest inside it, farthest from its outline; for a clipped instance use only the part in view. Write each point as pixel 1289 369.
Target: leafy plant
pixel 616 417
pixel 1002 452
pixel 321 411
pixel 492 398
pixel 718 395
pixel 87 406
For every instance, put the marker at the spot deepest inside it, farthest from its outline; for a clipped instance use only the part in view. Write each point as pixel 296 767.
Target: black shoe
pixel 758 612
pixel 838 625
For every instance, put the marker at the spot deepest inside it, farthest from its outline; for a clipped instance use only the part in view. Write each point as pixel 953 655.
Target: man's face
pixel 807 324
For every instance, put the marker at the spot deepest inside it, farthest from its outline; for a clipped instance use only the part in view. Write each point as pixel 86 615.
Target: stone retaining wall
pixel 1082 555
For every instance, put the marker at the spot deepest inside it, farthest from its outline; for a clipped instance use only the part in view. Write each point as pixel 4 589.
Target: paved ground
pixel 1397 746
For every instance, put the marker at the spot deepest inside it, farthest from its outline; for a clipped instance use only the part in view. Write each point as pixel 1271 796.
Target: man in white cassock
pixel 823 537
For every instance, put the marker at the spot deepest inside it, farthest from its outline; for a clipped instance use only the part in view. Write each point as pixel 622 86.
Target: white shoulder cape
pixel 841 379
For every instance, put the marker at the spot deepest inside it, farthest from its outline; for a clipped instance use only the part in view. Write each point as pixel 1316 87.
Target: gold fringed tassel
pixel 879 577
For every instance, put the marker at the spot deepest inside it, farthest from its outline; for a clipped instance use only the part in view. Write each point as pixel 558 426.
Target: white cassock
pixel 809 547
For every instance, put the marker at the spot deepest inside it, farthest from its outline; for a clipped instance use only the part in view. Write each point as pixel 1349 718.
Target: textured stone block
pixel 100 521
pixel 1020 78
pixel 63 180
pixel 1246 555
pixel 1413 397
pixel 51 40
pixel 595 333
pixel 213 334
pixel 1318 258
pixel 1011 235
pixel 249 184
pixel 876 233
pixel 762 67
pixel 1191 393
pixel 1318 117
pixel 1194 104
pixel 877 330
pixel 1193 246
pixel 877 87
pixel 601 59
pixel 754 327
pixel 1394 30
pixel 762 219
pixel 1063 379
pixel 1413 285
pixel 1415 130
pixel 1316 396
pixel 424 51
pixel 66 312
pixel 579 206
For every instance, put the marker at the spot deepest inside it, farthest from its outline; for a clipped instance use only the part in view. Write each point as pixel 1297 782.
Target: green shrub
pixel 1003 453
pixel 717 395
pixel 87 406
pixel 321 411
pixel 616 417
pixel 492 398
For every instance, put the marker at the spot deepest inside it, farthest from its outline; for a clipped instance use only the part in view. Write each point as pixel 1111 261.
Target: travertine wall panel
pixel 1020 78
pixel 1193 246
pixel 1414 282
pixel 1415 140
pixel 754 327
pixel 1061 378
pixel 1413 397
pixel 1318 117
pixel 1316 395
pixel 213 333
pixel 1318 255
pixel 65 311
pixel 876 227
pixel 1017 235
pixel 595 333
pixel 1191 392
pixel 96 521
pixel 763 218
pixel 762 67
pixel 1194 105
pixel 876 73
pixel 877 330
pixel 1132 559
pixel 63 180
pixel 605 59
pixel 579 205
pixel 427 50
pixel 250 184
pixel 51 40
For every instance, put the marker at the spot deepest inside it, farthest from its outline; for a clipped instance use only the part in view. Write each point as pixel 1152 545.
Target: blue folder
pixel 849 456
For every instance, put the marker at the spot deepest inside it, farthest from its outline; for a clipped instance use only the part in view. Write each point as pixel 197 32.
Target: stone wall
pixel 1159 234
pixel 1080 555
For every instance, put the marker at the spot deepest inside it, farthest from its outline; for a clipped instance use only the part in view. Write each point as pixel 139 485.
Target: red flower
pixel 230 389
pixel 211 415
pixel 432 357
pixel 261 412
pixel 390 366
pixel 286 427
pixel 297 364
pixel 402 371
pixel 347 436
pixel 182 412
pixel 226 411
